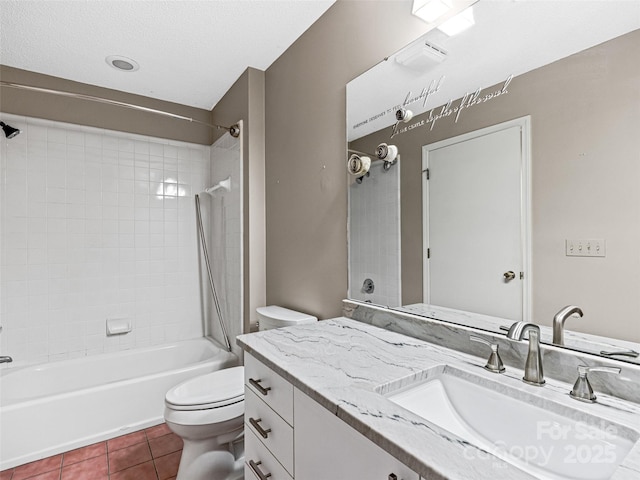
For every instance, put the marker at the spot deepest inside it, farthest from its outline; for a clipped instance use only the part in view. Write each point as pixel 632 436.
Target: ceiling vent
pixel 421 55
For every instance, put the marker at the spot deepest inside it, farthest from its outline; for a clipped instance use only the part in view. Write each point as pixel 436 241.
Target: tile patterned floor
pixel 150 454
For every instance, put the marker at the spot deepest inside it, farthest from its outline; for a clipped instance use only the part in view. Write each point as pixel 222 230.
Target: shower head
pixel 9 131
pixel 224 184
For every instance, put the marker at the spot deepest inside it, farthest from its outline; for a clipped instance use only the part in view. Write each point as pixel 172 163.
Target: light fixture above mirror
pixel 443 12
pixel 459 23
pixel 431 10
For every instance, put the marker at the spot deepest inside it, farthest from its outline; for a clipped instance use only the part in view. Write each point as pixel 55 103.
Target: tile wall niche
pixel 96 224
pixel 374 236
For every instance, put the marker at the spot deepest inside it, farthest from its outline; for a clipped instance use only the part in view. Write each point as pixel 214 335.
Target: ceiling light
pixel 430 10
pixel 459 23
pixel 121 63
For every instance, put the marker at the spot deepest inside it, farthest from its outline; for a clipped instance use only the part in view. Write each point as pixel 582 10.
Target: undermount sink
pixel 544 438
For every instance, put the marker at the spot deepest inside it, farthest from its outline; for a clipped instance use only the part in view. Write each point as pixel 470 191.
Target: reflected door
pixel 475 221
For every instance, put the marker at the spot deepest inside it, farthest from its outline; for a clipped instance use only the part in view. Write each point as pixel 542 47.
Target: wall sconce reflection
pixel 402 116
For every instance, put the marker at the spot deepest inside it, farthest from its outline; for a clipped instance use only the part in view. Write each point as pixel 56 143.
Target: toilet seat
pixel 213 390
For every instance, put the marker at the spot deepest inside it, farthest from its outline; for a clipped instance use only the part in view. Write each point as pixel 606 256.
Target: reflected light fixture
pixel 430 10
pixel 458 23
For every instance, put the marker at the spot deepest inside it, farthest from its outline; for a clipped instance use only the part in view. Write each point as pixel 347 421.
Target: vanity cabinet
pixel 268 423
pixel 328 448
pixel 289 435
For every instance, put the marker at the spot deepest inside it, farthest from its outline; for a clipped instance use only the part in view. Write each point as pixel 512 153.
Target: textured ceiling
pixel 190 51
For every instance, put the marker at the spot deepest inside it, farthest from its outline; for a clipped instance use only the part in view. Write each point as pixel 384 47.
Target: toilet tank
pixel 274 316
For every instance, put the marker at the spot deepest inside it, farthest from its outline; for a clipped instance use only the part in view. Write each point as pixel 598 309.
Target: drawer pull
pixel 261 389
pixel 393 476
pixel 261 431
pixel 256 469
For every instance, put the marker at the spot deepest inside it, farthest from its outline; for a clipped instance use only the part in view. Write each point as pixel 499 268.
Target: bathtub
pixel 55 407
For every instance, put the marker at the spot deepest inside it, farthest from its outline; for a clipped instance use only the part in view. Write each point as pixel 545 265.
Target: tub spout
pixel 558 322
pixel 5 359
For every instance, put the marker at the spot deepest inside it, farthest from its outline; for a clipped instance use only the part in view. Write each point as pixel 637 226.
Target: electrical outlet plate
pixel 590 247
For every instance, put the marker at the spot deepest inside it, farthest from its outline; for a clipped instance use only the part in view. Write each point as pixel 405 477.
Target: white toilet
pixel 208 412
pixel 276 317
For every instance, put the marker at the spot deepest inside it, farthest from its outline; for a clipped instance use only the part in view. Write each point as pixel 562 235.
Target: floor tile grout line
pixel 64 454
pixel 107 453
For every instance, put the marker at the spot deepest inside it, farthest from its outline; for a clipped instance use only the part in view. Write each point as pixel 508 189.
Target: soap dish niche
pixel 118 326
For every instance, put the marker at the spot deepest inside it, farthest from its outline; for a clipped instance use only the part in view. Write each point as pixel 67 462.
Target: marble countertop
pixel 343 363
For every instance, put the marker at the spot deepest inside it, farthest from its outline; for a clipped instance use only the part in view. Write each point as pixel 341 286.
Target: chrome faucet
pixel 558 322
pixel 494 363
pixel 582 389
pixel 5 359
pixel 533 374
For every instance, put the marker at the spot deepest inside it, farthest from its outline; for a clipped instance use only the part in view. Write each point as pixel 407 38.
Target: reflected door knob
pixel 508 276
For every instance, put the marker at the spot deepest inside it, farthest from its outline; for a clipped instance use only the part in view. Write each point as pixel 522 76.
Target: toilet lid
pixel 213 390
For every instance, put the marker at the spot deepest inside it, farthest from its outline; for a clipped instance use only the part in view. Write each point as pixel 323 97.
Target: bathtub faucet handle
pixel 5 359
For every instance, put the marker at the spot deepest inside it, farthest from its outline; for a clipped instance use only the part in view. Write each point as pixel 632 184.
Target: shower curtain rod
pixel 234 130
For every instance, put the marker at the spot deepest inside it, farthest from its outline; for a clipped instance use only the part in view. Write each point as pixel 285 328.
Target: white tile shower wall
pixel 374 236
pixel 223 210
pixel 96 224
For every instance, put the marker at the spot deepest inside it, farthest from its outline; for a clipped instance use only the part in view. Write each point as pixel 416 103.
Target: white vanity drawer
pixel 269 386
pixel 270 428
pixel 259 459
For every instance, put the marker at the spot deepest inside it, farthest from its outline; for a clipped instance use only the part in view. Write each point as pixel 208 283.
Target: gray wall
pixel 245 101
pixel 306 181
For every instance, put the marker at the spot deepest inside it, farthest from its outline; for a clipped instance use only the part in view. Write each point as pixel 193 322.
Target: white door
pixel 476 221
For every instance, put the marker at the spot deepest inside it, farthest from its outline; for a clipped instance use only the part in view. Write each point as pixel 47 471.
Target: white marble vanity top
pixel 343 363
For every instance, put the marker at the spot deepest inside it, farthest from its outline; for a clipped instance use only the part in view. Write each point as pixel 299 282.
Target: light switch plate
pixel 589 247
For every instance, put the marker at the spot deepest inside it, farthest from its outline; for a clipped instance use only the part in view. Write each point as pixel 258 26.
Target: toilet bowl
pixel 208 412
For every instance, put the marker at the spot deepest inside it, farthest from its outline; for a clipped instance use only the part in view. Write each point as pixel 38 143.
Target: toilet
pixel 207 412
pixel 276 317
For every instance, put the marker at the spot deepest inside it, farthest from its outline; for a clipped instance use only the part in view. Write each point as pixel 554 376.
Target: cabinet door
pixel 328 448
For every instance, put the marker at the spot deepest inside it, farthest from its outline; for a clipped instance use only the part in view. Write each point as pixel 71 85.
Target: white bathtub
pixel 55 407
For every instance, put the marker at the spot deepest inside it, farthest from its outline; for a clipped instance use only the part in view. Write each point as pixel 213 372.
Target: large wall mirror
pixel 494 175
